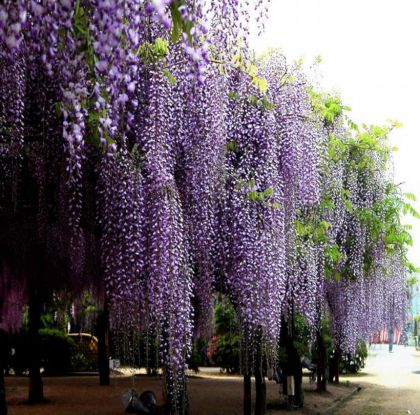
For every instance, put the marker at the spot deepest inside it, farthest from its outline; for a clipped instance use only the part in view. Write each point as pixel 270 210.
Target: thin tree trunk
pixel 36 389
pixel 294 365
pixel 4 354
pixel 246 370
pixel 321 370
pixel 260 391
pixel 247 394
pixel 103 347
pixel 260 386
pixel 335 366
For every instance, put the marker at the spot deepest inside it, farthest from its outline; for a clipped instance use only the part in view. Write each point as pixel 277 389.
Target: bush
pixel 354 363
pixel 198 355
pixel 225 348
pixel 56 351
pixel 227 352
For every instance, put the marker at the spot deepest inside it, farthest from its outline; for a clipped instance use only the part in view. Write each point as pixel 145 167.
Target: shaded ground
pixel 390 384
pixel 209 395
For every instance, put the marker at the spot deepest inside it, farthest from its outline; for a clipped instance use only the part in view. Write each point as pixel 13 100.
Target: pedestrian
pixel 390 339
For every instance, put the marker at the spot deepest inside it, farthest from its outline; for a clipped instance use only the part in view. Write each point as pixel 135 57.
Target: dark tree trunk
pixel 36 389
pixel 246 370
pixel 103 347
pixel 321 369
pixel 247 394
pixel 335 366
pixel 4 355
pixel 293 366
pixel 260 386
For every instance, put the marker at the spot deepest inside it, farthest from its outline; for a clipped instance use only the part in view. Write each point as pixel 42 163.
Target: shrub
pixel 227 352
pixel 354 363
pixel 198 355
pixel 56 351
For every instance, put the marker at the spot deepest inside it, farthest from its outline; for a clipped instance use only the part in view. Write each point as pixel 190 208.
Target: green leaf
pixel 410 196
pixel 169 76
pixel 268 192
pixel 231 146
pixel 233 95
pixel 177 22
pixel 253 196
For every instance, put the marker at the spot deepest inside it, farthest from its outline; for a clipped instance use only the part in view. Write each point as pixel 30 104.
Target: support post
pixel 4 355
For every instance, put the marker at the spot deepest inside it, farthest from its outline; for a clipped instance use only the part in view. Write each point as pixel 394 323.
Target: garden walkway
pixel 390 383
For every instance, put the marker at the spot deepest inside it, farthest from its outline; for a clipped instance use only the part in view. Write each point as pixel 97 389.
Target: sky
pixel 370 53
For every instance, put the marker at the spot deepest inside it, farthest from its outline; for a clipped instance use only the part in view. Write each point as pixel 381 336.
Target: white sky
pixel 371 56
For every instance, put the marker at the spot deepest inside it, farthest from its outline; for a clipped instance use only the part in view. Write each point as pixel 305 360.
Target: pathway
pixel 390 383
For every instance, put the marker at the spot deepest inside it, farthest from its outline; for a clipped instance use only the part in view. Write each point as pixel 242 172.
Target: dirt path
pixel 390 384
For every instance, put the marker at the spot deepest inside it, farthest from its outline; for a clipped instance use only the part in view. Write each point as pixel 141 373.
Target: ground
pixel 390 384
pixel 209 395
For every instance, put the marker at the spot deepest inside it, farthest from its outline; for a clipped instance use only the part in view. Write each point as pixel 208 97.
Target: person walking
pixel 390 339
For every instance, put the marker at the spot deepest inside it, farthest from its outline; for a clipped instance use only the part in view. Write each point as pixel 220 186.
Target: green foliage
pixel 233 95
pixel 337 148
pixel 198 355
pixel 228 352
pixel 301 334
pixel 81 28
pixel 261 103
pixel 225 321
pixel 333 257
pixel 360 150
pixel 256 196
pixel 311 227
pixel 327 107
pixel 152 53
pixel 179 26
pixel 301 339
pixel 354 363
pixel 169 76
pixel 228 348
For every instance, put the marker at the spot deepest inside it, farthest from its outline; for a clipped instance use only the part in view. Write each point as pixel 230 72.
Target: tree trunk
pixel 247 394
pixel 321 369
pixel 246 370
pixel 260 386
pixel 335 366
pixel 36 389
pixel 4 355
pixel 293 366
pixel 103 347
